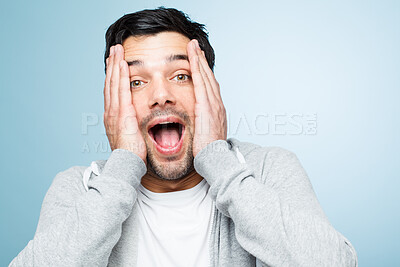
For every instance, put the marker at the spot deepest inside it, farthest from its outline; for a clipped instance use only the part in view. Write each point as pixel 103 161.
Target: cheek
pixel 139 103
pixel 188 100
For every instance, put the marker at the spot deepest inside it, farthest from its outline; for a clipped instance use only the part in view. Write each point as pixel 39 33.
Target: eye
pixel 182 77
pixel 136 83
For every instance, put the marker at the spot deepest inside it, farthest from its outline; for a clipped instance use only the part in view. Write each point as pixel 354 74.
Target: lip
pixel 172 119
pixel 162 119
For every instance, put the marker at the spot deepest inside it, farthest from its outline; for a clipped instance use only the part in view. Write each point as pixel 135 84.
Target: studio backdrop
pixel 319 78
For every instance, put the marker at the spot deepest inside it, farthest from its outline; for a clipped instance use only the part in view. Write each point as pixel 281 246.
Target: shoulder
pixel 72 178
pixel 69 176
pixel 66 184
pixel 270 162
pixel 256 152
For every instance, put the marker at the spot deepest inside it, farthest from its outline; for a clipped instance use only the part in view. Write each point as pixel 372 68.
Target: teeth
pixel 166 122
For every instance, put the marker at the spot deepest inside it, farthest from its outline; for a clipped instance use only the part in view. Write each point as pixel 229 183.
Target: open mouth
pixel 167 135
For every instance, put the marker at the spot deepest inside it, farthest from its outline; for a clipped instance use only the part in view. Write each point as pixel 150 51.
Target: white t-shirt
pixel 174 227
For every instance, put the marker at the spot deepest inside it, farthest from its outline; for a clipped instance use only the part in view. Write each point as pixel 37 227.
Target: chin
pixel 169 140
pixel 173 169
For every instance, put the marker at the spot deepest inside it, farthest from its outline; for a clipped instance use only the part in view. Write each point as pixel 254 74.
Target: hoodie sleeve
pixel 277 218
pixel 78 227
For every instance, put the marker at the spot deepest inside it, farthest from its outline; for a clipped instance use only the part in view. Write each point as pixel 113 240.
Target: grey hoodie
pixel 266 211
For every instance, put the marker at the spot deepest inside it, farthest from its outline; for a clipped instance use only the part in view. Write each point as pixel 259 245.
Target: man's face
pixel 163 96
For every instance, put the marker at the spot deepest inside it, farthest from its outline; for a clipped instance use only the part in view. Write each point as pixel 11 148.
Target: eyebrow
pixel 171 58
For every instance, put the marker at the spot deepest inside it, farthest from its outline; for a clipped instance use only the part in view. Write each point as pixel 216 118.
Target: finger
pixel 213 100
pixel 198 82
pixel 210 75
pixel 114 85
pixel 110 62
pixel 213 87
pixel 125 95
pixel 210 94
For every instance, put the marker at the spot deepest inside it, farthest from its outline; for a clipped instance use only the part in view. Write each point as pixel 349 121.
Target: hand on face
pixel 120 118
pixel 210 115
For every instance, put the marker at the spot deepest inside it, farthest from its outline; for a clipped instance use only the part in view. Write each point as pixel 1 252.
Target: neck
pixel 153 183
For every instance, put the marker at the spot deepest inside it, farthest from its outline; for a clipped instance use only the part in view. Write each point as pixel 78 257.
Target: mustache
pixel 164 112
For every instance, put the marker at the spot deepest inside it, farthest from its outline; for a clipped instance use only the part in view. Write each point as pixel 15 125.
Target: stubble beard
pixel 174 169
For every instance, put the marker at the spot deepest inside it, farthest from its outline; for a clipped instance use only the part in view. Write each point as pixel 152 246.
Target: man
pixel 175 191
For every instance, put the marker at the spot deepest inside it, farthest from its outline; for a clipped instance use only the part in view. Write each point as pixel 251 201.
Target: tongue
pixel 167 137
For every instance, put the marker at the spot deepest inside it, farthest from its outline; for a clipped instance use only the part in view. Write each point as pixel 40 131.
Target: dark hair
pixel 153 21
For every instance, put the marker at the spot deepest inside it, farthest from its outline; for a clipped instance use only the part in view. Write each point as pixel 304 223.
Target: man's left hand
pixel 210 115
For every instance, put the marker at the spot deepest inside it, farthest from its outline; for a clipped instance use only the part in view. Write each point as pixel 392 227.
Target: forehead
pixel 153 47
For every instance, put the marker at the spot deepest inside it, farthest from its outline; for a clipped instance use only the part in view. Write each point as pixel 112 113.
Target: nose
pixel 161 94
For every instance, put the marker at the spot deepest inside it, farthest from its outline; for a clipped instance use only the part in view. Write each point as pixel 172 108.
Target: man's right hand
pixel 120 119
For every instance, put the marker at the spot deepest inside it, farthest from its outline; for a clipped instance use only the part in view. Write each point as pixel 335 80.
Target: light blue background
pixel 337 59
